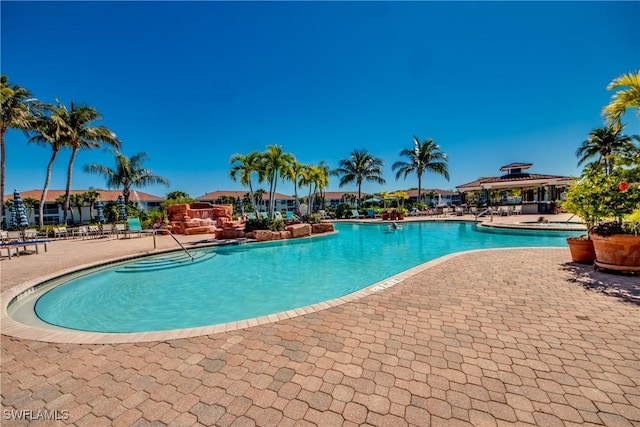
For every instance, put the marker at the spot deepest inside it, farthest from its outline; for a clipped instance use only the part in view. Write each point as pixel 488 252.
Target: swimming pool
pixel 240 282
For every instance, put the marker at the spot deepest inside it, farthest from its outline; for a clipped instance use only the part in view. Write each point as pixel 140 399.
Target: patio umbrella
pixel 122 207
pixel 20 210
pixel 239 208
pixel 99 211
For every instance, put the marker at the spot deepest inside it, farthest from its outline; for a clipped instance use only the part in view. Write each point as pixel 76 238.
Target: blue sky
pixel 193 83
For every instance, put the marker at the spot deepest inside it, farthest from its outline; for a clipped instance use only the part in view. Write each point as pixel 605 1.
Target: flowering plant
pixel 598 196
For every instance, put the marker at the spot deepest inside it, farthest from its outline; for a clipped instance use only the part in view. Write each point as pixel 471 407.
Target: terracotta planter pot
pixel 618 252
pixel 581 250
pixel 385 216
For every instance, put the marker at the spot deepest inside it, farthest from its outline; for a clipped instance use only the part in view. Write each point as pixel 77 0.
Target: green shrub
pixel 264 224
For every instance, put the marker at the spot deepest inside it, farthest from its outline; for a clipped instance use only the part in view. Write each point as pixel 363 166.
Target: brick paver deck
pixel 509 337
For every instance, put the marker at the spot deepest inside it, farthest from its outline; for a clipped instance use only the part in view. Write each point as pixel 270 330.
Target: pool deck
pixel 486 338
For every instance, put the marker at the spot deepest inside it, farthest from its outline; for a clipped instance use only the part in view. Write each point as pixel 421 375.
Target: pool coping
pixel 54 334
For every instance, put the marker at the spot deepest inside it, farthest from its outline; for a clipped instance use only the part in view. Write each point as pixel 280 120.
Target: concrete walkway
pixel 502 337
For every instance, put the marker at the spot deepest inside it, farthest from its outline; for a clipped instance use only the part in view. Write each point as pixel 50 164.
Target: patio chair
pixel 251 215
pixel 30 234
pixel 94 231
pixel 60 232
pixel 4 236
pixel 355 214
pixel 264 215
pixel 83 231
pixel 118 229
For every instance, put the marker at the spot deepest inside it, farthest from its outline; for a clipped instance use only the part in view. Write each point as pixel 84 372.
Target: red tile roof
pixel 516 178
pixel 105 195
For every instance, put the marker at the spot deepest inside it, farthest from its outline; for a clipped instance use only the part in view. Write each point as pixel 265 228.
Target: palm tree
pixel 294 174
pixel 275 164
pixel 47 132
pixel 91 197
pixel 623 98
pixel 77 201
pixel 128 173
pixel 17 112
pixel 79 134
pixel 360 166
pixel 423 157
pixel 244 167
pixel 605 144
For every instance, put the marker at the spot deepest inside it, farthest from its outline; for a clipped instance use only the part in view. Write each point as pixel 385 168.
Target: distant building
pixel 536 192
pixel 283 202
pixel 53 212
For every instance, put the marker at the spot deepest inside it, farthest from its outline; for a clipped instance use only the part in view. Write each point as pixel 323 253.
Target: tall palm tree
pixel 17 112
pixel 605 144
pixel 359 167
pixel 47 132
pixel 128 173
pixel 623 98
pixel 244 167
pixel 422 157
pixel 294 174
pixel 79 134
pixel 275 164
pixel 327 171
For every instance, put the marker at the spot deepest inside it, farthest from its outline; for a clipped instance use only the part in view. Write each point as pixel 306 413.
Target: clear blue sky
pixel 193 83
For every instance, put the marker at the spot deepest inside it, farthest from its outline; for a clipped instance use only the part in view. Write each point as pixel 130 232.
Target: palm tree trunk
pixel 2 171
pixel 43 198
pixel 419 186
pixel 253 199
pixel 125 195
pixel 67 194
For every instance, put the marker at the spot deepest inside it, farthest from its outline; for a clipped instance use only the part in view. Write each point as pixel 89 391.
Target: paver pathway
pixel 485 339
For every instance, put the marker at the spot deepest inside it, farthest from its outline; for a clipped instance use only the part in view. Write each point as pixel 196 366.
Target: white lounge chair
pixel 355 214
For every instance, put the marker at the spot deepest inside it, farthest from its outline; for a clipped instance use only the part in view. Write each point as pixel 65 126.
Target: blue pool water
pixel 239 282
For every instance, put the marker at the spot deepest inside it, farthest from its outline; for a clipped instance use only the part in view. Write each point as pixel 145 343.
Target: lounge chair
pixel 355 214
pixel 292 217
pixel 134 226
pixel 372 214
pixel 264 215
pixel 323 214
pixel 251 215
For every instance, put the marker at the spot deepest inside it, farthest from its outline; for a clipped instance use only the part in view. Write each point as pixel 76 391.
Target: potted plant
pixel 616 240
pixel 401 212
pixel 582 199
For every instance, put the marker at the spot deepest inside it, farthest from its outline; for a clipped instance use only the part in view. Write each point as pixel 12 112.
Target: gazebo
pixel 537 192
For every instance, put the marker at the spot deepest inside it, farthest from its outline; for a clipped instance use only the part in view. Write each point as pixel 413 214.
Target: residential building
pixel 53 211
pixel 283 202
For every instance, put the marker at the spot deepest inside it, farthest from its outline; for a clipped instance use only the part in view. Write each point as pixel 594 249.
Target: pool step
pixel 164 263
